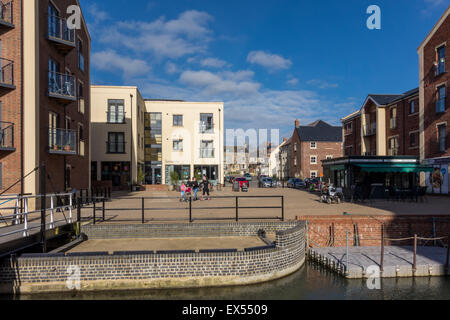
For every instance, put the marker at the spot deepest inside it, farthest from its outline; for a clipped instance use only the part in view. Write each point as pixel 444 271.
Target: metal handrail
pixel 7 71
pixel 58 29
pixel 6 12
pixel 61 84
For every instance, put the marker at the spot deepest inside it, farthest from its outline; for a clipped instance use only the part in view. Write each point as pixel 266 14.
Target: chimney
pixel 284 139
pixel 297 123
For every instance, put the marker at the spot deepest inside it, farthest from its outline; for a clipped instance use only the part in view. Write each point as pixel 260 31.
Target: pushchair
pixel 186 194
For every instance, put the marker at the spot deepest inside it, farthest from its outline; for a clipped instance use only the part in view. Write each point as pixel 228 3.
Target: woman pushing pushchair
pixel 186 192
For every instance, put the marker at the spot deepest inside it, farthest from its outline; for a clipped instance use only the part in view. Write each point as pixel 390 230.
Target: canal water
pixel 309 283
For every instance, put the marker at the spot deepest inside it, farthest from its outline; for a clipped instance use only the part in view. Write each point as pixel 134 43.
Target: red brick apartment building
pixel 311 144
pixel 415 123
pixel 44 96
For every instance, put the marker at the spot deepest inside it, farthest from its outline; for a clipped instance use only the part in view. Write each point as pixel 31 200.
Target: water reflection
pixel 310 283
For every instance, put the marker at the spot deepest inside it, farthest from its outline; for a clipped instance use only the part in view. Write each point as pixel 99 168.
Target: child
pixel 183 191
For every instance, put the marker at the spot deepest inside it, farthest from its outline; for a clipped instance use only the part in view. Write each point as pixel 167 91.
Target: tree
pixel 174 178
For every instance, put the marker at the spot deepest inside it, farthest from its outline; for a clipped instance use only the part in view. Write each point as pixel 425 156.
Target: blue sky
pixel 269 61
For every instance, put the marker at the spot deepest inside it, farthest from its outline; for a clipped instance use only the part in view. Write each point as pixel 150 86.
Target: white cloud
pixel 292 82
pixel 268 60
pixel 187 34
pixel 322 84
pixel 111 61
pixel 213 62
pixel 171 68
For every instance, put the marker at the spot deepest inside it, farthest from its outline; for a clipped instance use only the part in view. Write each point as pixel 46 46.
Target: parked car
pixel 299 184
pixel 248 176
pixel 292 182
pixel 267 182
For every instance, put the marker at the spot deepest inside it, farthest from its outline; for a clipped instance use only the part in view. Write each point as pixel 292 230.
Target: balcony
pixel 206 128
pixel 369 130
pixel 60 35
pixel 6 75
pixel 113 147
pixel 62 141
pixel 6 16
pixel 393 123
pixel 440 105
pixel 61 86
pixel 393 152
pixel 207 153
pixel 7 136
pixel 116 118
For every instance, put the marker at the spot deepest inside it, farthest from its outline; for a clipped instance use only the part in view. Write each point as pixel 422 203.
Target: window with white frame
pixel 313 145
pixel 313 160
pixel 178 145
pixel 313 174
pixel 329 157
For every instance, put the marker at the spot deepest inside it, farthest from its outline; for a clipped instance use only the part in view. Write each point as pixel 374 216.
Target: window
pixel 80 98
pixel 348 128
pixel 80 55
pixel 412 139
pixel 116 113
pixel 313 174
pixel 206 123
pixel 207 149
pixel 440 99
pixel 440 67
pixel 329 157
pixel 81 139
pixel 313 145
pixel 313 160
pixel 393 146
pixel 442 137
pixel 116 142
pixel 177 120
pixel 295 161
pixel 412 107
pixel 53 21
pixel 295 147
pixel 393 114
pixel 177 145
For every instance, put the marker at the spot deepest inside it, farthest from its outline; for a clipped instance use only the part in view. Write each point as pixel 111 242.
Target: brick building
pixel 44 96
pixel 434 112
pixel 311 144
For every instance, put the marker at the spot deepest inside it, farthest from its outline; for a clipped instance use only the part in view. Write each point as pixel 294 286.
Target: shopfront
pixel 118 173
pixel 211 172
pixel 438 180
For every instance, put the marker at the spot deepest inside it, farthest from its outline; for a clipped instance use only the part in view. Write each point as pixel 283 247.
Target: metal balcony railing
pixel 6 14
pixel 115 147
pixel 440 105
pixel 6 135
pixel 61 85
pixel 58 30
pixel 369 130
pixel 207 153
pixel 206 127
pixel 116 117
pixel 62 141
pixel 6 72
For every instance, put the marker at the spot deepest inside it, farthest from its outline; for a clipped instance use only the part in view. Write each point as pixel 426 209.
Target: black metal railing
pixel 115 147
pixel 191 211
pixel 7 71
pixel 6 135
pixel 61 85
pixel 206 127
pixel 6 12
pixel 62 141
pixel 59 30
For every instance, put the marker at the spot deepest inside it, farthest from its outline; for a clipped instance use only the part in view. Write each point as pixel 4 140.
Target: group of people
pixel 192 185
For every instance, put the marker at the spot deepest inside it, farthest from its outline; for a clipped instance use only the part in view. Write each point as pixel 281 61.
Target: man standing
pixel 205 185
pixel 195 187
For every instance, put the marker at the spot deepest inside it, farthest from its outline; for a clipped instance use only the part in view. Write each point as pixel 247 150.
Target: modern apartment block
pixel 142 141
pixel 386 125
pixel 117 127
pixel 434 73
pixel 44 96
pixel 311 144
pixel 185 137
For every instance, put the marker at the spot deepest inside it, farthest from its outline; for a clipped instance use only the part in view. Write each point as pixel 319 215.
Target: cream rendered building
pixel 117 117
pixel 186 137
pixel 191 141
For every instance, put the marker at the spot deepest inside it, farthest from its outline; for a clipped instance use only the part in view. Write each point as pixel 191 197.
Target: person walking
pixel 205 185
pixel 195 187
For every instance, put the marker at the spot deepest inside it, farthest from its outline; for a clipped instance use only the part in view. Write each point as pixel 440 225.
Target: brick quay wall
pixel 167 269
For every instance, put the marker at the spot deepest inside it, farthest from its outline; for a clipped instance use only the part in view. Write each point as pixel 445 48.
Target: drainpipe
pixel 22 171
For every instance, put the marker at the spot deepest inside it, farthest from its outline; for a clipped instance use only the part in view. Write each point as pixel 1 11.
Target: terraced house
pixel 44 96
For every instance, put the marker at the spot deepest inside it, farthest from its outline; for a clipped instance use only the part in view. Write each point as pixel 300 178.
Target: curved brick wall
pixel 177 269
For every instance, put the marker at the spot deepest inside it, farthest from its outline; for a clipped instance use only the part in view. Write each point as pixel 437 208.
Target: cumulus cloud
pixel 213 62
pixel 110 60
pixel 171 68
pixel 187 34
pixel 270 61
pixel 322 84
pixel 292 82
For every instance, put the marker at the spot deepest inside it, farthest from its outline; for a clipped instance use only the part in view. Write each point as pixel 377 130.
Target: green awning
pixel 394 167
pixel 338 167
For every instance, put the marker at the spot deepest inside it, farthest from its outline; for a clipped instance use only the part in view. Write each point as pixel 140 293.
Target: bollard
pixel 190 210
pixel 282 208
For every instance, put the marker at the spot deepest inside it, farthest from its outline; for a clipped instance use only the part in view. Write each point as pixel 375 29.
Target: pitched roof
pixel 407 94
pixel 384 99
pixel 319 131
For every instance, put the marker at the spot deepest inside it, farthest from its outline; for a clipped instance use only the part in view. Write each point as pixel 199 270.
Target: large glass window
pixel 440 99
pixel 116 111
pixel 80 55
pixel 441 60
pixel 207 149
pixel 206 123
pixel 116 142
pixel 177 145
pixel 177 120
pixel 211 172
pixel 412 107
